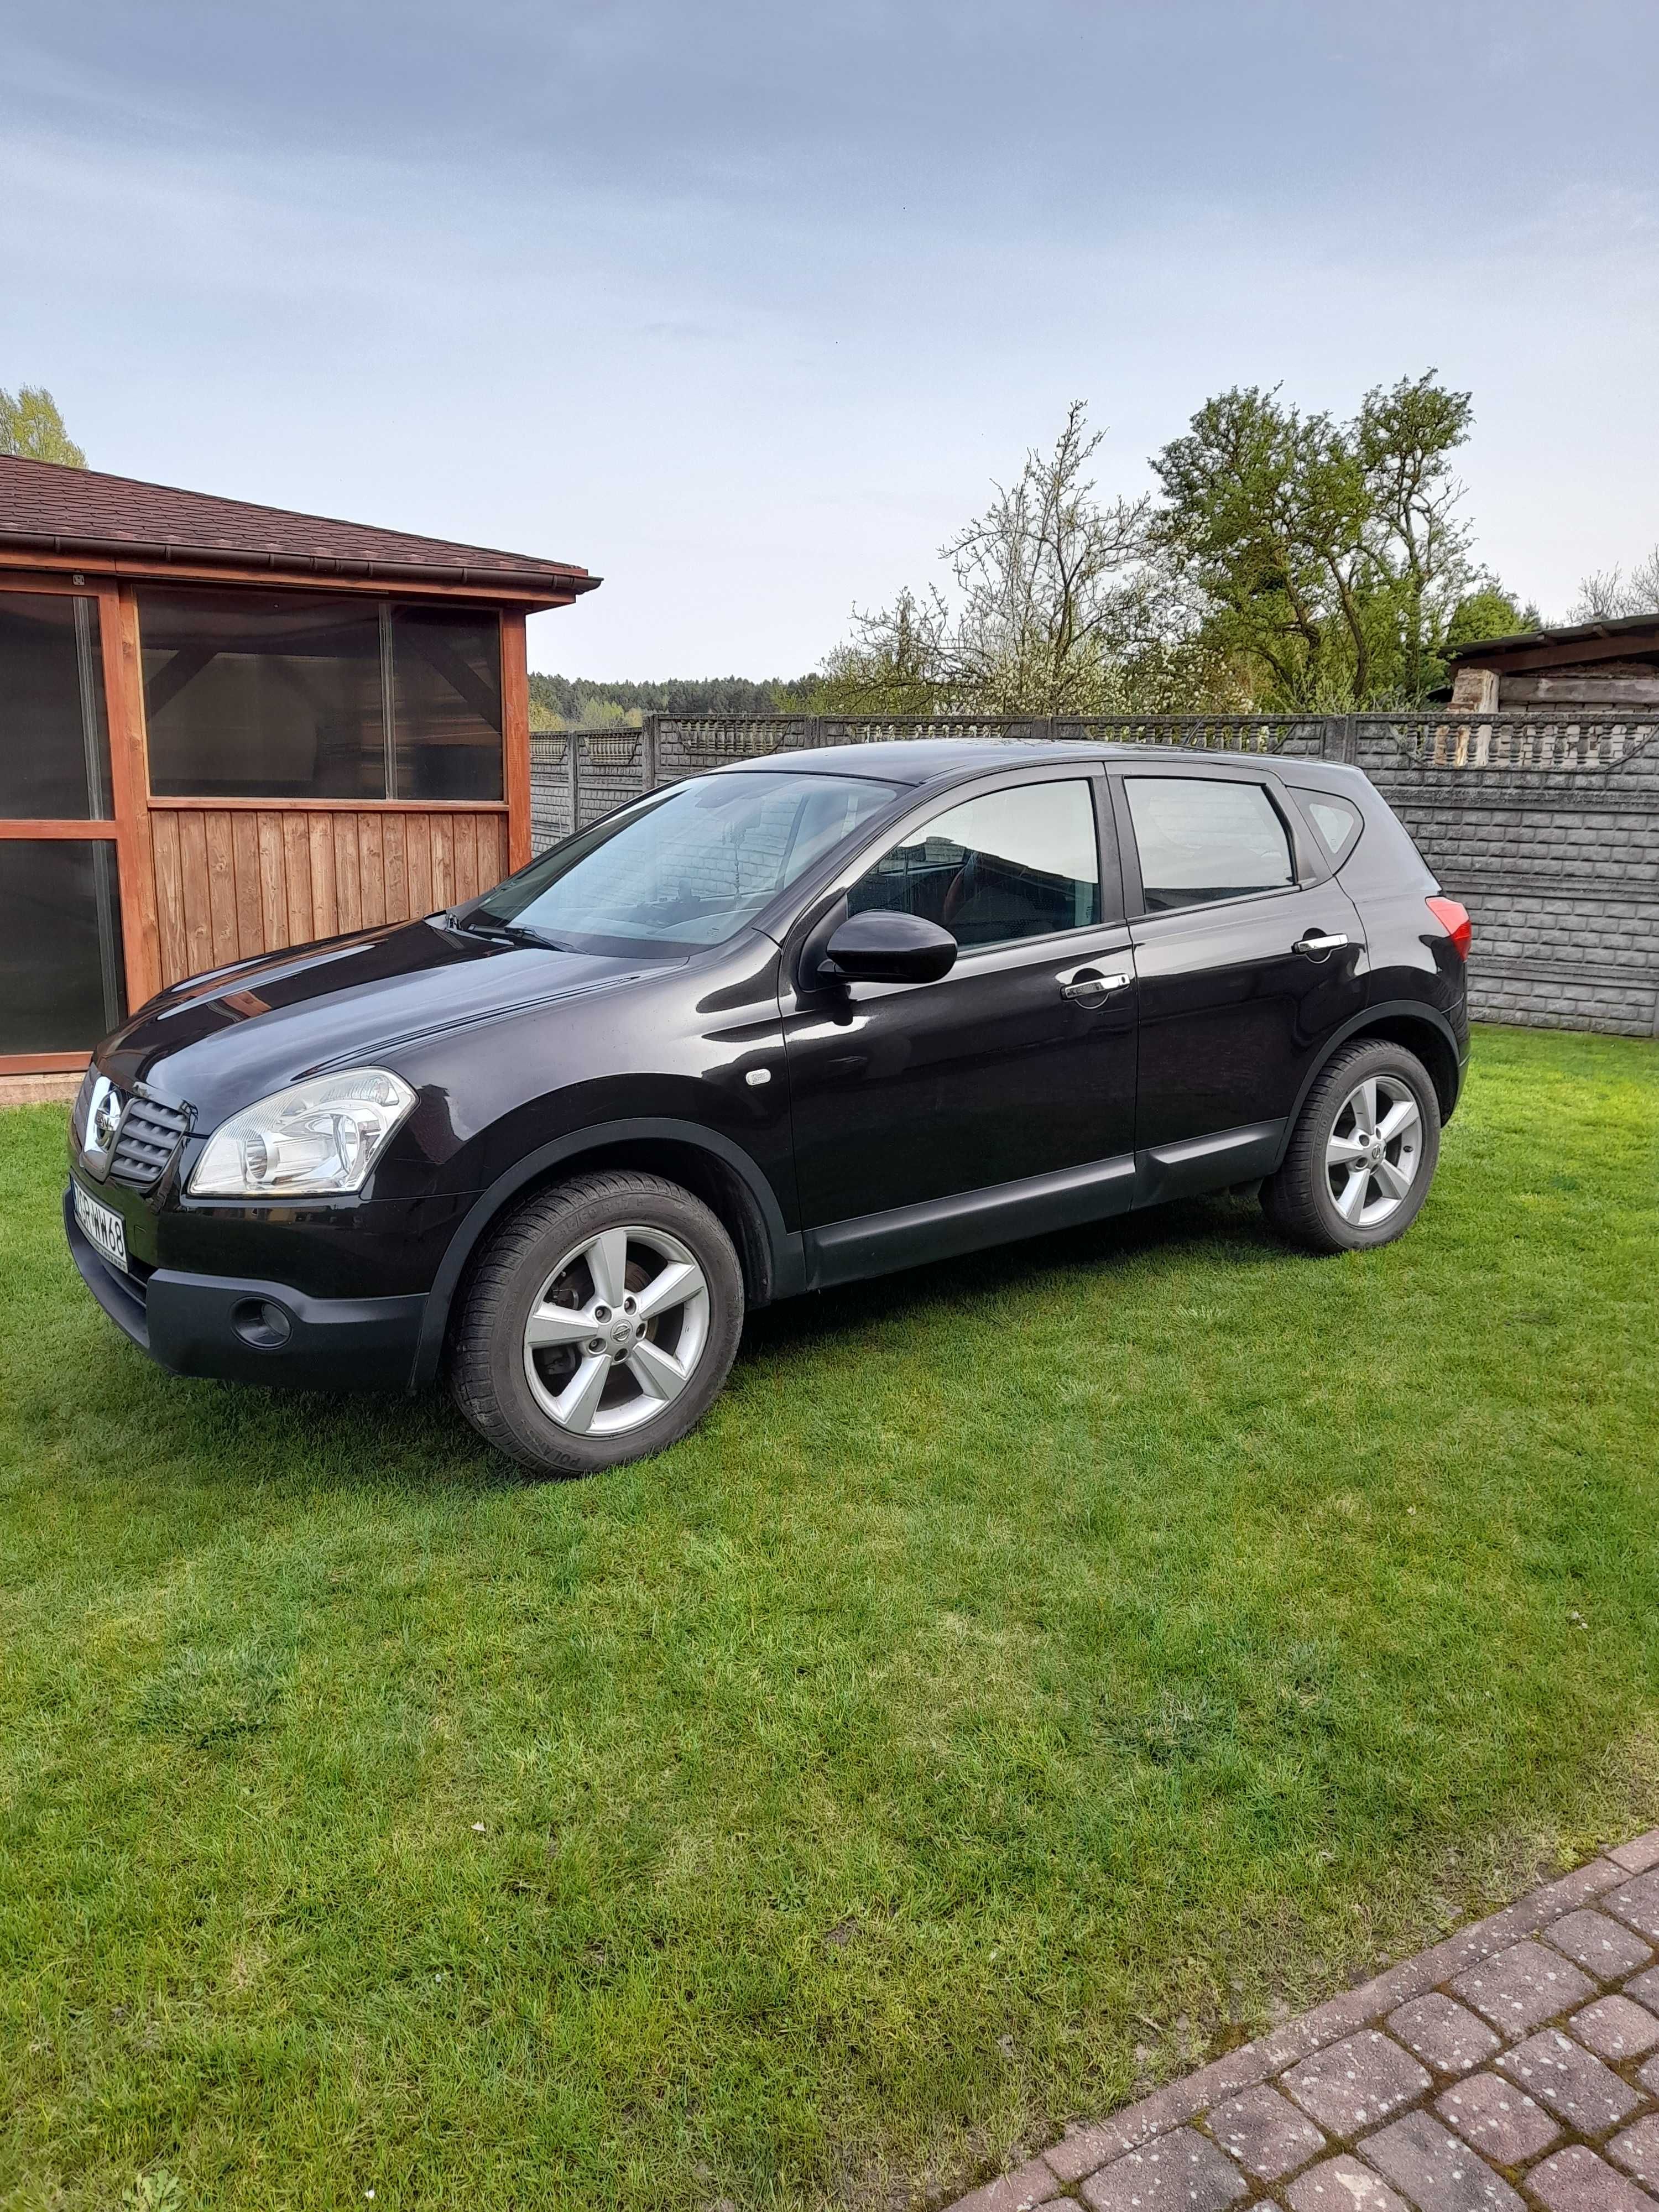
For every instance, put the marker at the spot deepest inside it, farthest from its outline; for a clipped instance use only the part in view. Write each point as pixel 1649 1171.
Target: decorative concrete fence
pixel 1546 825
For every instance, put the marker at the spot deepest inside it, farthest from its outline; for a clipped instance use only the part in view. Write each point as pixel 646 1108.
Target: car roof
pixel 938 759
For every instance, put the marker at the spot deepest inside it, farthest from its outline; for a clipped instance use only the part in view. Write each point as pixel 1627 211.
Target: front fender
pixel 784 1246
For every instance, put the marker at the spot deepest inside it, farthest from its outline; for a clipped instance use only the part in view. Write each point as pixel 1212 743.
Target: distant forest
pixel 565 703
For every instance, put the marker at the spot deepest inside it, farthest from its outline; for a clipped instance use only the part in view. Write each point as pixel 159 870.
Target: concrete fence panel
pixel 1546 826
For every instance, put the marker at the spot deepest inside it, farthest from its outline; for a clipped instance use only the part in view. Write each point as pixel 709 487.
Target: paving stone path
pixel 1514 2068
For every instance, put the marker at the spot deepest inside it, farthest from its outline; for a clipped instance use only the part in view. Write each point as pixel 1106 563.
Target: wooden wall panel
pixel 348 884
pixel 296 879
pixel 325 907
pixel 198 918
pixel 233 882
pixel 371 874
pixel 443 862
pixel 174 957
pixel 395 868
pixel 418 859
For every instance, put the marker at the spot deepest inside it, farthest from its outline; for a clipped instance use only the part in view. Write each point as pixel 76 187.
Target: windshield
pixel 684 867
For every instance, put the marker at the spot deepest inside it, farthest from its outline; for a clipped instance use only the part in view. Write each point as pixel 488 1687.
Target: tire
pixel 590 1392
pixel 1339 1188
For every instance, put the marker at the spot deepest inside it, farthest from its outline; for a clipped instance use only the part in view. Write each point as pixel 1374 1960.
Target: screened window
pixel 1200 840
pixel 54 746
pixel 292 695
pixel 60 945
pixel 1013 863
pixel 446 703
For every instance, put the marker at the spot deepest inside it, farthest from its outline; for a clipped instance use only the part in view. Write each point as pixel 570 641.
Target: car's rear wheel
pixel 1362 1154
pixel 599 1325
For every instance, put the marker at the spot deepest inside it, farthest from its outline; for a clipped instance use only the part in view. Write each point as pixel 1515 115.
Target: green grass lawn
pixel 1035 1670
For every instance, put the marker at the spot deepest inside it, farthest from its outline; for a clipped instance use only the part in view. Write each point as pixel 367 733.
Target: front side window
pixel 300 694
pixel 685 867
pixel 1201 839
pixel 1012 864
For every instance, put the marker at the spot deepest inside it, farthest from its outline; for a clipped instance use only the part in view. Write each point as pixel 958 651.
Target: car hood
pixel 222 1040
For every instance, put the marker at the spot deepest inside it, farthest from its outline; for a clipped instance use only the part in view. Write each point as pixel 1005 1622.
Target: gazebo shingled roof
pixel 66 511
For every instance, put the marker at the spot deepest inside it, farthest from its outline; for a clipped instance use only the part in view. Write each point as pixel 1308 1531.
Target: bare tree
pixel 1609 595
pixel 1051 595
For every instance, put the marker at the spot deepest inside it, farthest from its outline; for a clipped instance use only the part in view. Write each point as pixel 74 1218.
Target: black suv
pixel 795 1022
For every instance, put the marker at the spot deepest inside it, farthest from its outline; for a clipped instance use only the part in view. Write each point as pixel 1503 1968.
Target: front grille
pixel 149 1143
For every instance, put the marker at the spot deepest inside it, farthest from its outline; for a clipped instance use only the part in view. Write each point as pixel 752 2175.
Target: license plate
pixel 102 1226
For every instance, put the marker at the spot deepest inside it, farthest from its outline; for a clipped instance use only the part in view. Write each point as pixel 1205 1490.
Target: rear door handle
pixel 1087 986
pixel 1314 946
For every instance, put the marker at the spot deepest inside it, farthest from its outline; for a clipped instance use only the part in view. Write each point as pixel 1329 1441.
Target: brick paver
pixel 1443 2033
pixel 1343 2185
pixel 1500 2121
pixel 1357 2082
pixel 1437 2170
pixel 1577 2088
pixel 1604 1947
pixel 1512 2068
pixel 1267 2137
pixel 1180 2172
pixel 1523 1987
pixel 1638 2149
pixel 1637 1904
pixel 1577 2181
pixel 1615 2028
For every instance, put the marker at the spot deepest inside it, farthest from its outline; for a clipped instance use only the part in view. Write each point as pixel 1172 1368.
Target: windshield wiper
pixel 502 932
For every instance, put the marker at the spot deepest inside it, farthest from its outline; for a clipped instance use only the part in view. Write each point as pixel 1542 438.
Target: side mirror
pixel 888 948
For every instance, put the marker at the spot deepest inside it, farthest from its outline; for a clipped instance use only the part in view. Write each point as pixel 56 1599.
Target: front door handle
pixel 1314 946
pixel 1087 986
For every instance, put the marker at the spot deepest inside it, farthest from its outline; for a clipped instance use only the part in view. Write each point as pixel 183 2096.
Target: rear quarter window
pixel 1336 822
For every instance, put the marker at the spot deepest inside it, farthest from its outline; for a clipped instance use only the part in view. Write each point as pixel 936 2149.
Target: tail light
pixel 1454 919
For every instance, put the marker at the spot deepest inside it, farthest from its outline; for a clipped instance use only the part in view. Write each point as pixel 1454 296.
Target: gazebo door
pixel 62 970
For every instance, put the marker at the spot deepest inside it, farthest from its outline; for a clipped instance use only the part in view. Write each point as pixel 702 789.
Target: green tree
pixel 1487 613
pixel 31 427
pixel 1328 557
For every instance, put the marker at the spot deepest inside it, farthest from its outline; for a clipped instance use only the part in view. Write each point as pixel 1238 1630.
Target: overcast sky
pixel 742 305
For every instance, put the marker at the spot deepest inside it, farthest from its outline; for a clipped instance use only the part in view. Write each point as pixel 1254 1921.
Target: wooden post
pixel 128 780
pixel 515 736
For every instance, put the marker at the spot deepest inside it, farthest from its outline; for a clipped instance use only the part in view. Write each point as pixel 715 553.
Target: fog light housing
pixel 262 1324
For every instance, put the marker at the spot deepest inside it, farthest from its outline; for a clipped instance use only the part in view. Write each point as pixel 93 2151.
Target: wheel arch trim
pixel 1369 1018
pixel 784 1249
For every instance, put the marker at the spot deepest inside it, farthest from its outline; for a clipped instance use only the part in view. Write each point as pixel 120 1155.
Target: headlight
pixel 312 1140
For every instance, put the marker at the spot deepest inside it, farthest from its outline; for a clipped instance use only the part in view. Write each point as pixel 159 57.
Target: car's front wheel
pixel 1362 1154
pixel 599 1325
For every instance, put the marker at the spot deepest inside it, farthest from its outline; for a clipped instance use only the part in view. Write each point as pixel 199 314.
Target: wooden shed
pixel 227 728
pixel 1600 665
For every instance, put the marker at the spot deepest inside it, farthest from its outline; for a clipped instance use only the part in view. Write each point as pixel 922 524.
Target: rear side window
pixel 1337 822
pixel 1021 863
pixel 1201 839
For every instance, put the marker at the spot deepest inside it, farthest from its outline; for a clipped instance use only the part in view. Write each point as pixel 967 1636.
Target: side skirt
pixel 910 1236
pixel 877 1243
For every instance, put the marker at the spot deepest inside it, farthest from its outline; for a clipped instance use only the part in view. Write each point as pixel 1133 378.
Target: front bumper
pixel 246 1331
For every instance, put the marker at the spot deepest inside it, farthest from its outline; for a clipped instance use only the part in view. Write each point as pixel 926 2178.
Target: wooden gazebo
pixel 227 728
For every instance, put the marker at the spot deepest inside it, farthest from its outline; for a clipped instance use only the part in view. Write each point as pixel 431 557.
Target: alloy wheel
pixel 617 1330
pixel 1374 1150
